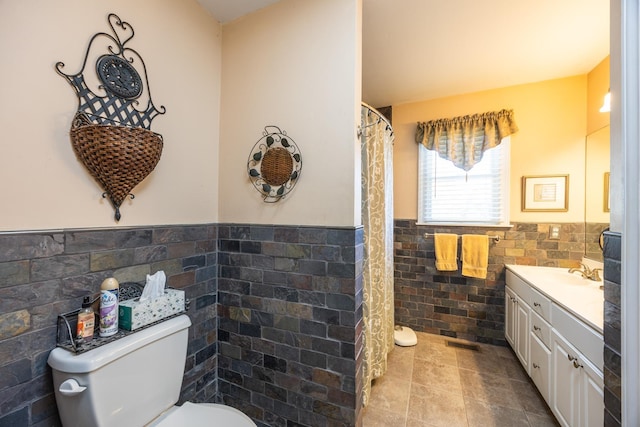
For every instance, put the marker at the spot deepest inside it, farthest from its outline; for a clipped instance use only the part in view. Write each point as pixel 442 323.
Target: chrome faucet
pixel 587 273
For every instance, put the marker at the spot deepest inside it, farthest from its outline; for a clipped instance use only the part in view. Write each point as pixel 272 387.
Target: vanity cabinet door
pixel 577 396
pixel 516 328
pixel 565 391
pixel 522 333
pixel 592 395
pixel 510 304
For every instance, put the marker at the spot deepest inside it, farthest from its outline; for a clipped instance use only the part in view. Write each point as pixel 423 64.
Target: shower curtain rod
pixel 378 113
pixel 495 238
pixel 381 118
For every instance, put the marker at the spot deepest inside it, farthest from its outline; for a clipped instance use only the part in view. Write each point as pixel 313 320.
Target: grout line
pixel 406 412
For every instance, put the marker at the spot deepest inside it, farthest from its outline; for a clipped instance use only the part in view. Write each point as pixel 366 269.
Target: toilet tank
pixel 127 382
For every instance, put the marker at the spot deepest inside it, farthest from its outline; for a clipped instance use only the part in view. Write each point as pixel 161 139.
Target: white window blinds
pixel 449 195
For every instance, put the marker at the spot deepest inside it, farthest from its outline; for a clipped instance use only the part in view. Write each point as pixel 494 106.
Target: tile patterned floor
pixel 434 384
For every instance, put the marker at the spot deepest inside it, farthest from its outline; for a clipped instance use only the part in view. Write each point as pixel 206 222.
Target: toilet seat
pixel 202 414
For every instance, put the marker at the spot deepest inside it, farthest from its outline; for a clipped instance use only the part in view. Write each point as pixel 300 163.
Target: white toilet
pixel 134 381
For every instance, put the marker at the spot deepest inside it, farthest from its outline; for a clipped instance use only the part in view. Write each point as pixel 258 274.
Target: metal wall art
pixel 274 164
pixel 110 134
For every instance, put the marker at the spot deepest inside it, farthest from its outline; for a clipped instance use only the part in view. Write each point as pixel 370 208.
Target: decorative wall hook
pixel 274 164
pixel 110 134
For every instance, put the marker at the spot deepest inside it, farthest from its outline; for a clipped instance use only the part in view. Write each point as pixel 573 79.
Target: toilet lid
pixel 204 414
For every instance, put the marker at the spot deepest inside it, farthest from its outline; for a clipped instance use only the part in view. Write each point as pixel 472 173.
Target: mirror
pixel 596 214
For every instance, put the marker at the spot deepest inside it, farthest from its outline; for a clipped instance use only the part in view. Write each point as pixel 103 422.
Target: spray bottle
pixel 109 307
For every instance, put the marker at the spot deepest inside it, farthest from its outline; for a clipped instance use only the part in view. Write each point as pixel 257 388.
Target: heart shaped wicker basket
pixel 118 157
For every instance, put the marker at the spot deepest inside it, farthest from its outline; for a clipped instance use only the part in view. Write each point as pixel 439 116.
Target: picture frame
pixel 545 193
pixel 607 198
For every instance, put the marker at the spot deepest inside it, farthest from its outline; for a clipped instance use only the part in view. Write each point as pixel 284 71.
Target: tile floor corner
pixel 434 384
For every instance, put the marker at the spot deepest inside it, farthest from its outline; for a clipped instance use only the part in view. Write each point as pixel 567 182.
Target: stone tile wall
pixel 43 274
pixel 612 331
pixel 593 232
pixel 287 345
pixel 448 303
pixel 291 324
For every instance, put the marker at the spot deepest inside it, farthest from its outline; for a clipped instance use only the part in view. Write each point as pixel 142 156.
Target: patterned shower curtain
pixel 377 219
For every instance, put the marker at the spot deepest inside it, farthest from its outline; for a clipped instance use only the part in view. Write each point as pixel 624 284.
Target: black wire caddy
pixel 68 322
pixel 110 134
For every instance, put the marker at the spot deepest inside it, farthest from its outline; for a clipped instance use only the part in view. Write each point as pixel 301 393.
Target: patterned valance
pixel 464 139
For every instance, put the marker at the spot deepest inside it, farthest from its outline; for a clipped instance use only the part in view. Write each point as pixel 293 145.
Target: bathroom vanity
pixel 553 322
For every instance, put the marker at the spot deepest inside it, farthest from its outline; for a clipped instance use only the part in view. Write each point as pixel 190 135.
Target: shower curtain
pixel 377 219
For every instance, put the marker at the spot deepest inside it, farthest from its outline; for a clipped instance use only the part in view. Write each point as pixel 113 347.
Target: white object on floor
pixel 404 337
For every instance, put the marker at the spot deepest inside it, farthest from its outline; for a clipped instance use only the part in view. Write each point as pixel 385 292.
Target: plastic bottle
pixel 109 307
pixel 86 320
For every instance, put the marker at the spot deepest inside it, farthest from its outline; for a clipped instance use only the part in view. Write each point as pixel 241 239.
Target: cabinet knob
pixel 571 358
pixel 576 364
pixel 536 366
pixel 536 328
pixel 536 304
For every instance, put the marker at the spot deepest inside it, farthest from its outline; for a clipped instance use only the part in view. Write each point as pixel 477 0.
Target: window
pixel 449 195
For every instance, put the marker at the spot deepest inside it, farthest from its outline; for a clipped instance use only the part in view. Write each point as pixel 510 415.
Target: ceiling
pixel 415 50
pixel 229 10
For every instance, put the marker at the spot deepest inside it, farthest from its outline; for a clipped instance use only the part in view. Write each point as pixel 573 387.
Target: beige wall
pixel 43 186
pixel 295 65
pixel 597 143
pixel 552 122
pixel 598 155
pixel 597 87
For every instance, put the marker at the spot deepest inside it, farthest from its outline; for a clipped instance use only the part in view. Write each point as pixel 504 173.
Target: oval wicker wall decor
pixel 274 164
pixel 110 134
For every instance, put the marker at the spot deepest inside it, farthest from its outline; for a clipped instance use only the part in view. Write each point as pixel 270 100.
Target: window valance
pixel 464 139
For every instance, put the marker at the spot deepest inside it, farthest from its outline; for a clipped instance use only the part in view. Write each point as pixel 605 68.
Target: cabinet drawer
pixel 541 329
pixel 541 367
pixel 540 304
pixel 519 286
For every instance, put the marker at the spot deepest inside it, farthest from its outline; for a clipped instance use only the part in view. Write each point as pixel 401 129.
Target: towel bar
pixel 495 238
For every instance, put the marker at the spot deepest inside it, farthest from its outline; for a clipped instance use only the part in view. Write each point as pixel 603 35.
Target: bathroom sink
pixel 582 297
pixel 556 275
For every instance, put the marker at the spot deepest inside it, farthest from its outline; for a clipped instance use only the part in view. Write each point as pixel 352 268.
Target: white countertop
pixel 581 297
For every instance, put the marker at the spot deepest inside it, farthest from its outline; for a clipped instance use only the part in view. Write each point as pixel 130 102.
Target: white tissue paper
pixel 155 303
pixel 154 287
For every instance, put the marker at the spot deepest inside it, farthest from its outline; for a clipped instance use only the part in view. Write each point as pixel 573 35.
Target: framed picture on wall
pixel 607 197
pixel 545 193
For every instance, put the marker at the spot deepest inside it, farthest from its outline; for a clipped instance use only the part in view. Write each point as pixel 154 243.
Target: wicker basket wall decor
pixel 110 135
pixel 274 164
pixel 117 157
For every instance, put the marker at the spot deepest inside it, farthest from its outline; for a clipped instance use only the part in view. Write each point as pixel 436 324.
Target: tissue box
pixel 134 314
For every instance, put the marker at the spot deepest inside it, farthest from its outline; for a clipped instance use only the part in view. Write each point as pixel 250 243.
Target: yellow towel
pixel 475 255
pixel 446 246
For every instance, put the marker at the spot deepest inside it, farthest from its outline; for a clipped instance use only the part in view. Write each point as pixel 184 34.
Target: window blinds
pixel 448 194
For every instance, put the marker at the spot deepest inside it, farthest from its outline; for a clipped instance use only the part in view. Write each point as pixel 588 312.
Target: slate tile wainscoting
pixel 291 324
pixel 43 274
pixel 276 310
pixel 447 303
pixel 286 347
pixel 612 331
